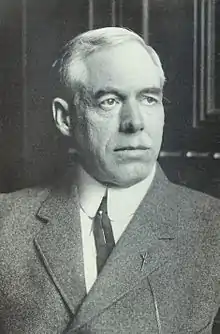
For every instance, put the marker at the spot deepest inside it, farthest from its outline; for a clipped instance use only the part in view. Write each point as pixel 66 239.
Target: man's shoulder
pixel 18 215
pixel 26 199
pixel 194 198
pixel 183 197
pixel 195 208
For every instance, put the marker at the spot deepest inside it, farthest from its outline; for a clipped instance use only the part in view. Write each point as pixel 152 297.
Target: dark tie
pixel 103 235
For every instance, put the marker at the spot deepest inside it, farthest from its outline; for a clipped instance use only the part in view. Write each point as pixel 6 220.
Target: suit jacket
pixel 161 278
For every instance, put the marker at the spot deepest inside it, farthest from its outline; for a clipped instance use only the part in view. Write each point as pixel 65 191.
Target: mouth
pixel 131 148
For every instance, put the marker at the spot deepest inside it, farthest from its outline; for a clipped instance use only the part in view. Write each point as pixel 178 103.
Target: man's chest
pixel 178 298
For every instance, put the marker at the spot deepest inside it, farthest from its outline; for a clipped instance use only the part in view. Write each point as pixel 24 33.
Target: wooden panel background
pixel 31 34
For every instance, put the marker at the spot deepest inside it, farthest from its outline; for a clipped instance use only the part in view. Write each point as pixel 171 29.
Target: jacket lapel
pixel 59 244
pixel 146 245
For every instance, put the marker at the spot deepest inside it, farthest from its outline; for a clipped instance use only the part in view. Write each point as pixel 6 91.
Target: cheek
pixel 101 127
pixel 154 124
pixel 96 133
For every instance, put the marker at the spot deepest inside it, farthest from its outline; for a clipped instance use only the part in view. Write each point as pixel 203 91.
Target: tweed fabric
pixel 162 277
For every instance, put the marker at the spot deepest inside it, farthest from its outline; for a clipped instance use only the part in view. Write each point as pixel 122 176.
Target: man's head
pixel 109 100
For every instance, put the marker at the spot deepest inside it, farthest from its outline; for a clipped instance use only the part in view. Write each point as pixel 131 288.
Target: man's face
pixel 118 133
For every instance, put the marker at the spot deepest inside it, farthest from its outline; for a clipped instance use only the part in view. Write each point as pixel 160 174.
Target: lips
pixel 131 148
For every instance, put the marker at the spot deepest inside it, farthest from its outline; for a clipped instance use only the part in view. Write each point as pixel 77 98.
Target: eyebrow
pixel 110 90
pixel 152 90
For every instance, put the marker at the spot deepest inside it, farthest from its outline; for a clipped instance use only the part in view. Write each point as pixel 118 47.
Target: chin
pixel 124 175
pixel 127 183
pixel 129 178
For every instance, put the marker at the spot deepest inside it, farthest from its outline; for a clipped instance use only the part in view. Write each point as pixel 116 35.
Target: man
pixel 113 247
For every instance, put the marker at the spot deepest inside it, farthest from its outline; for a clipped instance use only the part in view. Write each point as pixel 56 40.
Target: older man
pixel 113 247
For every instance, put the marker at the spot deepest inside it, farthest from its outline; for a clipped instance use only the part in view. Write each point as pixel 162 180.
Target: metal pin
pixel 143 257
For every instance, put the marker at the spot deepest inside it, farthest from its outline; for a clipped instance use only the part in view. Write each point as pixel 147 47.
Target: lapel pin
pixel 143 259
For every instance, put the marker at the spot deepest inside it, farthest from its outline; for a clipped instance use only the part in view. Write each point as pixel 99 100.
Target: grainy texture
pixel 175 290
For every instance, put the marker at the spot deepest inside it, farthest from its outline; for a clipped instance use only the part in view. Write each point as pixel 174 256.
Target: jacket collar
pixel 59 242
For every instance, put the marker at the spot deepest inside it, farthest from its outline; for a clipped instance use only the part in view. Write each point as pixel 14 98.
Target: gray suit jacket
pixel 162 277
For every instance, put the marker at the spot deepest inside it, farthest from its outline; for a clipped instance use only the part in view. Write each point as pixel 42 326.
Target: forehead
pixel 126 66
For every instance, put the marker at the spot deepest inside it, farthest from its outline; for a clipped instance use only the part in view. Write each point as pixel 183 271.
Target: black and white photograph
pixel 110 167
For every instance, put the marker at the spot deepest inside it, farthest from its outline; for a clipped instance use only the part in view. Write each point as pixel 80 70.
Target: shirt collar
pixel 122 202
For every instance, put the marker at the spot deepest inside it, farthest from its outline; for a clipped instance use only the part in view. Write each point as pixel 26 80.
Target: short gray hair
pixel 75 52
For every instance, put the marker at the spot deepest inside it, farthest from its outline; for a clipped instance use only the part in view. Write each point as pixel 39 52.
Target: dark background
pixel 32 32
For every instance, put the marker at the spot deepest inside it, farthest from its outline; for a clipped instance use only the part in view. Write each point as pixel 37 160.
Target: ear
pixel 61 116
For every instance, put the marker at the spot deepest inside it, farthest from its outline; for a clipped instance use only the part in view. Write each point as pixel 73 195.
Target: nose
pixel 131 120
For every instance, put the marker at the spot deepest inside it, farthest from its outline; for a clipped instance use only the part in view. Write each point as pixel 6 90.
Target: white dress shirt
pixel 121 205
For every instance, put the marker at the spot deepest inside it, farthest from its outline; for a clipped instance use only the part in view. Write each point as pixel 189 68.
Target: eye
pixel 108 103
pixel 149 100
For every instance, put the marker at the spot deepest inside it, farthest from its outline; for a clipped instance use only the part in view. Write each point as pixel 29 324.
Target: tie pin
pixel 143 258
